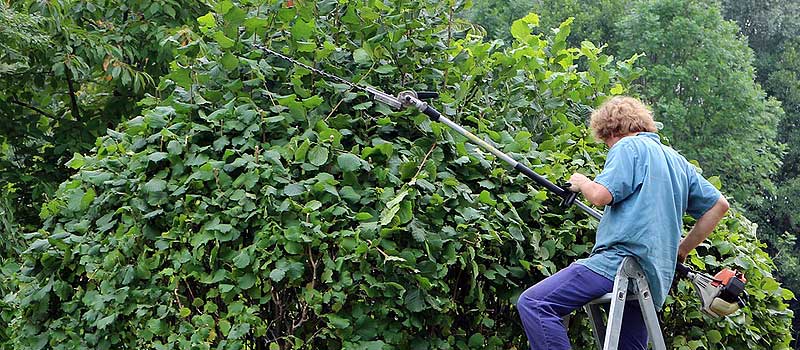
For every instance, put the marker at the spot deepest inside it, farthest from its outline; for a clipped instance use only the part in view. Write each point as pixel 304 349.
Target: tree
pixel 769 25
pixel 595 21
pixel 256 204
pixel 70 71
pixel 496 16
pixel 772 28
pixel 700 82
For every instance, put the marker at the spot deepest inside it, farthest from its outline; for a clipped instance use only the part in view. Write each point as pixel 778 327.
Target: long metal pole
pixel 409 99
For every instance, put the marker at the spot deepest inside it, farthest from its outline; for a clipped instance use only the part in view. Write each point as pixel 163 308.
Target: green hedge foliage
pixel 255 205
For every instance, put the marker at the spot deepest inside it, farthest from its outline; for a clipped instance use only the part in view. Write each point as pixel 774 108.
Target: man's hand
pixel 577 180
pixel 682 255
pixel 592 191
pixel 702 228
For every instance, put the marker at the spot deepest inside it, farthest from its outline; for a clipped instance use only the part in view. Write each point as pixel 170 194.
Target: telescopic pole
pixel 411 99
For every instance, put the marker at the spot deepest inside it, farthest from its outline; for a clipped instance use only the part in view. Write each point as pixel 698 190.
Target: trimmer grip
pixel 424 95
pixel 681 270
pixel 569 197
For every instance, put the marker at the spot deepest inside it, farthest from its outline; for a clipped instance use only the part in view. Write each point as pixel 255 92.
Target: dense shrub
pixel 254 204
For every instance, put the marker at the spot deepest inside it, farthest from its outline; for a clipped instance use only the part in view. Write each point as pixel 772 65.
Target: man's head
pixel 620 116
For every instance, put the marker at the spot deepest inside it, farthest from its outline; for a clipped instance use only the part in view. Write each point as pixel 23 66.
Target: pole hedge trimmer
pixel 720 295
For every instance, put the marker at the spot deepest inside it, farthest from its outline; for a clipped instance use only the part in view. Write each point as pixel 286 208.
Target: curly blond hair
pixel 619 116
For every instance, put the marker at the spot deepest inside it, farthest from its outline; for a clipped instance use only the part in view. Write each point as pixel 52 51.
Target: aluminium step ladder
pixel 629 284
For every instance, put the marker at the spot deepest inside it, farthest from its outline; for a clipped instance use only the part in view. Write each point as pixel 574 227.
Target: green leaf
pixel 242 260
pixel 349 162
pixel 714 336
pixel 224 228
pixel 350 194
pixel 398 198
pixel 293 248
pixel 105 321
pixel 247 281
pixel 223 6
pixel 223 40
pixel 716 181
pixel 486 198
pixel 520 30
pixel 76 162
pixel 182 77
pixel 224 326
pixel 157 156
pixel 413 301
pixel 338 322
pixel 388 214
pixel 362 216
pixel 302 30
pixel 239 331
pixel 302 150
pixel 386 69
pixel 532 19
pixel 476 341
pixel 293 190
pixel 350 17
pixel 313 101
pixel 770 285
pixel 318 155
pixel 201 238
pixel 155 185
pixel 362 106
pixel 207 20
pixel 277 274
pixel 254 24
pixel 174 147
pixel 38 245
pixel 229 61
pixel 87 199
pixel 361 56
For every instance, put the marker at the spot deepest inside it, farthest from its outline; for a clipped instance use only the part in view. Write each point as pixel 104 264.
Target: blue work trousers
pixel 543 306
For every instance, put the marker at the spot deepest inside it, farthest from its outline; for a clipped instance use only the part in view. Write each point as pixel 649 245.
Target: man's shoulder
pixel 636 144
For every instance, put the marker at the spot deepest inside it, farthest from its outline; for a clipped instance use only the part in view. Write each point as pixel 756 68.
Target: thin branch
pixel 348 90
pixel 73 99
pixel 23 104
pixel 449 37
pixel 424 160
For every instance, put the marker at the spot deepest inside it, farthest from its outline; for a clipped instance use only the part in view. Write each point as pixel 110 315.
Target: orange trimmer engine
pixel 729 298
pixel 722 294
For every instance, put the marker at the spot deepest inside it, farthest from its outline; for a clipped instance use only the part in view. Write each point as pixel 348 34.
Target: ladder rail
pixel 629 284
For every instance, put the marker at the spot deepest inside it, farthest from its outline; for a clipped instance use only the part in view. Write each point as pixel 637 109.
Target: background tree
pixel 769 25
pixel 70 70
pixel 496 16
pixel 595 21
pixel 700 82
pixel 772 28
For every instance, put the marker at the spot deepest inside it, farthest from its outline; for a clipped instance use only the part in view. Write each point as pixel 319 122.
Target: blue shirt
pixel 652 187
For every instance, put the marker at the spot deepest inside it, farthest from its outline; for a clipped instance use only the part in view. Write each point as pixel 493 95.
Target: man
pixel 646 188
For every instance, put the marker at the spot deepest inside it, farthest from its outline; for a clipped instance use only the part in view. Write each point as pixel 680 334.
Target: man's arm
pixel 594 192
pixel 702 228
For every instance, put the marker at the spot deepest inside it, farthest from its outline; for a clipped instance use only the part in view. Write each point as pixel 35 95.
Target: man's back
pixel 652 187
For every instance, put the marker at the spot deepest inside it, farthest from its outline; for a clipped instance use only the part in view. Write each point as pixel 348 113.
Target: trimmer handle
pixel 424 95
pixel 569 197
pixel 681 270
